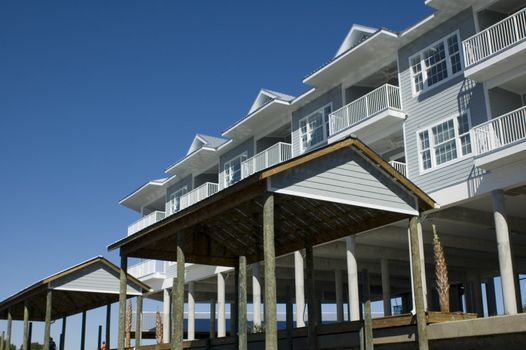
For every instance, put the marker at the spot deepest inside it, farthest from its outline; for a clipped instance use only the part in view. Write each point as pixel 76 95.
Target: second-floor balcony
pixel 497 49
pixel 501 140
pixel 399 166
pixel 145 221
pixel 275 154
pixel 148 268
pixel 379 110
pixel 198 194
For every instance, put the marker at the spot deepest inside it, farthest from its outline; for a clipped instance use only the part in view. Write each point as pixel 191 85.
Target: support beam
pixel 299 283
pixel 178 296
pixel 138 322
pixel 47 321
pixel 30 336
pixel 491 301
pixel 256 294
pixel 212 319
pixel 504 250
pixel 338 286
pixel 99 337
pixel 352 278
pixel 418 292
pixel 422 262
pixel 313 307
pixel 167 300
pixel 122 302
pixel 191 311
pixel 269 253
pixel 25 338
pixel 83 331
pixel 242 303
pixel 9 329
pixel 108 326
pixel 62 341
pixel 221 318
pixel 386 286
pixel 367 313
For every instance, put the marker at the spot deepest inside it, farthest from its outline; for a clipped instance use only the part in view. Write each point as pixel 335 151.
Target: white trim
pixel 325 122
pixel 173 195
pixel 239 156
pixel 487 101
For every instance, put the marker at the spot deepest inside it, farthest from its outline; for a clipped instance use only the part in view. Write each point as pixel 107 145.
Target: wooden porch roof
pixel 69 299
pixel 229 224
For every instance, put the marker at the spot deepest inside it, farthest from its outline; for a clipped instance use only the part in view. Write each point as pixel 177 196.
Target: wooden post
pixel 313 307
pixel 138 323
pixel 269 253
pixel 418 292
pixel 62 340
pixel 2 341
pixel 83 331
pixel 289 322
pixel 9 330
pixel 212 319
pixel 30 335
pixel 108 325
pixel 47 324
pixel 122 302
pixel 178 300
pixel 367 319
pixel 99 337
pixel 242 303
pixel 26 326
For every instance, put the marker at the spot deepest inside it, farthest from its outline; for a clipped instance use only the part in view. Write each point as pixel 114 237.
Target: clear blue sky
pixel 97 97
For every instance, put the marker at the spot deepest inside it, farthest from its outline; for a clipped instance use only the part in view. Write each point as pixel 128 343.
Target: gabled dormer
pixel 356 35
pixel 201 141
pixel 266 96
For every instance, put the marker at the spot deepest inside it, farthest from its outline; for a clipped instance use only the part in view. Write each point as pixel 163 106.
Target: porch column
pixel 122 302
pixel 191 311
pixel 338 286
pixel 138 323
pixel 367 313
pixel 212 319
pixel 83 331
pixel 518 292
pixel 386 286
pixel 47 321
pixel 490 297
pixel 504 250
pixel 299 283
pixel 166 315
pixel 352 277
pixel 178 298
pixel 256 294
pixel 418 292
pixel 312 300
pixel 242 303
pixel 62 340
pixel 422 262
pixel 475 292
pixel 9 329
pixel 26 327
pixel 269 253
pixel 108 325
pixel 221 319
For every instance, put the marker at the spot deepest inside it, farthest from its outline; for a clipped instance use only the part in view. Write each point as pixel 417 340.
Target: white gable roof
pixel 356 35
pixel 265 96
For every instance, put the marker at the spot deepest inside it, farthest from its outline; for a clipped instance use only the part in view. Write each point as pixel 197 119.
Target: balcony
pixel 275 154
pixel 145 221
pixel 501 140
pixel 400 167
pixel 371 117
pixel 148 268
pixel 198 194
pixel 497 49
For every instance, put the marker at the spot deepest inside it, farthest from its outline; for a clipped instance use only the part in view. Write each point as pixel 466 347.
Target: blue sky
pixel 97 97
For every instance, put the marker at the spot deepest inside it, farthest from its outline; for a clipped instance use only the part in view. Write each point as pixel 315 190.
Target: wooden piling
pixel 242 303
pixel 26 327
pixel 47 322
pixel 138 322
pixel 313 307
pixel 269 253
pixel 83 331
pixel 62 340
pixel 122 302
pixel 108 325
pixel 178 300
pixel 367 319
pixel 99 337
pixel 9 330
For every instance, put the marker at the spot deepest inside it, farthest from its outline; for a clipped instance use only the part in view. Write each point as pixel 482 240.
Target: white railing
pixel 198 194
pixel 399 166
pixel 273 155
pixel 147 267
pixel 385 97
pixel 495 38
pixel 500 132
pixel 145 221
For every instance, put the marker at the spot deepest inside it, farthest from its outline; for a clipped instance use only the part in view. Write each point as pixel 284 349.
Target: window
pixel 232 173
pixel 314 128
pixel 444 142
pixel 174 204
pixel 436 63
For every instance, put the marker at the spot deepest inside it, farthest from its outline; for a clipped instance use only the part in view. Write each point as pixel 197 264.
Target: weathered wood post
pixel 338 286
pixel 99 337
pixel 289 321
pixel 9 329
pixel 108 325
pixel 62 340
pixel 386 286
pixel 138 322
pixel 2 340
pixel 418 293
pixel 26 326
pixel 30 335
pixel 83 331
pixel 313 308
pixel 367 319
pixel 242 303
pixel 212 319
pixel 47 322
pixel 269 253
pixel 122 302
pixel 178 297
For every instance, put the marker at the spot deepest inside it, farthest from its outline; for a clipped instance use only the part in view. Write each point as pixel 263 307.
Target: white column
pixel 386 286
pixel 191 311
pixel 221 320
pixel 256 294
pixel 299 281
pixel 166 316
pixel 504 250
pixel 352 276
pixel 338 286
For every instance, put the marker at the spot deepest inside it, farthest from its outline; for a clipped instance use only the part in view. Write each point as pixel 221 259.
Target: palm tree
pixel 442 280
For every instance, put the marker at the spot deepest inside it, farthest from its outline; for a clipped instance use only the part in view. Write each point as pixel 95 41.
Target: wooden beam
pixel 269 252
pixel 108 325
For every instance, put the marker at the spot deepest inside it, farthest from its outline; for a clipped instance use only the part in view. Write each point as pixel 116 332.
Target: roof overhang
pixel 197 161
pixel 147 193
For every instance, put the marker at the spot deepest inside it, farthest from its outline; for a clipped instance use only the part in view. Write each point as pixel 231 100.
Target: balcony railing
pixel 496 38
pixel 399 166
pixel 385 97
pixel 275 154
pixel 198 194
pixel 500 132
pixel 147 267
pixel 145 221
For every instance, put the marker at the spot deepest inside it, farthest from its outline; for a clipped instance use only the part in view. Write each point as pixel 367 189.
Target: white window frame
pixel 172 198
pixel 227 165
pixel 458 143
pixel 325 122
pixel 450 74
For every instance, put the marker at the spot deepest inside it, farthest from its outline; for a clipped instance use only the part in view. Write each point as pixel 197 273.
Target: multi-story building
pixel 444 102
